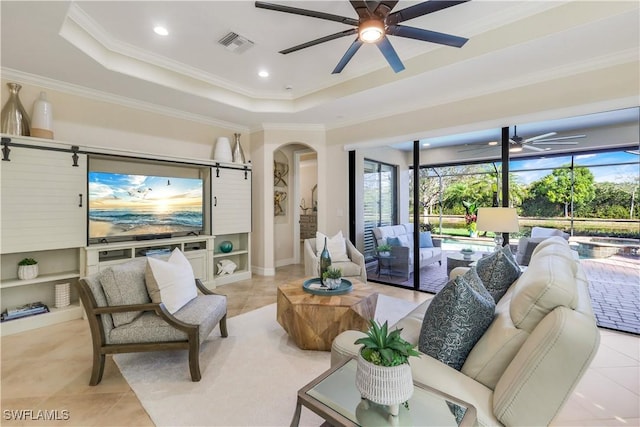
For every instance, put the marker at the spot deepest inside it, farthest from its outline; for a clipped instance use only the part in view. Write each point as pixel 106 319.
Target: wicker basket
pixel 385 385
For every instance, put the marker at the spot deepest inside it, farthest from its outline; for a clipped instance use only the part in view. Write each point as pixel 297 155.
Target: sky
pixel 120 190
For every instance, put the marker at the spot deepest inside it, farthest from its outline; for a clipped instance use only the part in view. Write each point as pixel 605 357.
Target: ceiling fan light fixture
pixel 516 147
pixel 371 31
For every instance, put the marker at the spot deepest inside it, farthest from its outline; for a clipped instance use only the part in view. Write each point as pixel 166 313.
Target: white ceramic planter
pixel 384 385
pixel 26 272
pixel 332 283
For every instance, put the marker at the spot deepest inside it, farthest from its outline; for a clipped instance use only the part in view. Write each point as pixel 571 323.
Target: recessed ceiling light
pixel 493 143
pixel 161 31
pixel 425 144
pixel 263 73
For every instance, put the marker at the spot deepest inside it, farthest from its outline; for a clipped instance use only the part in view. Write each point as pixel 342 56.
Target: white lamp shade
pixel 499 220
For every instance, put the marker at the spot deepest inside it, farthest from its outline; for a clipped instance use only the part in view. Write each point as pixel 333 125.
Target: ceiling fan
pixel 518 143
pixel 374 23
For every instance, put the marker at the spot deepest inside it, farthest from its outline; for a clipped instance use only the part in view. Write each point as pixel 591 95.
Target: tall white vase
pixel 222 152
pixel 42 118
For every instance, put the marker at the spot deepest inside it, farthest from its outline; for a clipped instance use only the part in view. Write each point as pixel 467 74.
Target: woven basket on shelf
pixel 385 385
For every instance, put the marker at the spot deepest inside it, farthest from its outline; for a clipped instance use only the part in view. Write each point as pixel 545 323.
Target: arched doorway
pixel 295 205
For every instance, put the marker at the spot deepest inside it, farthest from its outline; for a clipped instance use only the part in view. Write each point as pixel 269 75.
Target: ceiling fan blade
pixel 347 56
pixel 426 35
pixel 544 135
pixel 560 138
pixel 320 40
pixel 420 9
pixel 532 148
pixel 390 54
pixel 555 143
pixel 306 12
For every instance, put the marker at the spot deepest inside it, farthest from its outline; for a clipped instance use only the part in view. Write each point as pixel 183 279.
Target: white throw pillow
pixel 171 282
pixel 336 246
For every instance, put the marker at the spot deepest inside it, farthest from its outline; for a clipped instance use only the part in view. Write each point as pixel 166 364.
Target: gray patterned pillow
pixel 498 271
pixel 456 319
pixel 124 284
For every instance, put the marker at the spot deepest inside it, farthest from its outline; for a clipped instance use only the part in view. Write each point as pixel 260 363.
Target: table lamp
pixel 498 220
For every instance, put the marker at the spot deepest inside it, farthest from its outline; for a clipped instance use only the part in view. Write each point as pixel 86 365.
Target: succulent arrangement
pixel 384 248
pixel 28 261
pixel 385 348
pixel 332 273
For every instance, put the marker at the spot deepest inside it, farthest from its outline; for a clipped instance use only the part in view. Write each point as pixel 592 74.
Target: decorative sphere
pixel 226 246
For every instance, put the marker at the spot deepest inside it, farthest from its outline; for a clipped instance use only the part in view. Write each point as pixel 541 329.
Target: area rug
pixel 249 378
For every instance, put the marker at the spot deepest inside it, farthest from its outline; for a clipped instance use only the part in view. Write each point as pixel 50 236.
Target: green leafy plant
pixel 332 273
pixel 28 261
pixel 385 348
pixel 384 248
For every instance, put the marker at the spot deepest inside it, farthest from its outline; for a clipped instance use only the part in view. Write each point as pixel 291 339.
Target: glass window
pixel 379 200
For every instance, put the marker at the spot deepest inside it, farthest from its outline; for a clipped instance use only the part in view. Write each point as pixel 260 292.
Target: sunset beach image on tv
pixel 134 205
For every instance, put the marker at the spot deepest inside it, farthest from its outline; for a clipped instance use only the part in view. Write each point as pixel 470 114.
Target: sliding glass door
pixel 380 207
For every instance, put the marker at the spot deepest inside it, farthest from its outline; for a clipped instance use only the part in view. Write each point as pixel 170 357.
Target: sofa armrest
pixel 357 258
pixel 310 258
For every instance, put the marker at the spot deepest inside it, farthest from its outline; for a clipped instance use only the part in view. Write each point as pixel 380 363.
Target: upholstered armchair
pixel 123 318
pixel 353 267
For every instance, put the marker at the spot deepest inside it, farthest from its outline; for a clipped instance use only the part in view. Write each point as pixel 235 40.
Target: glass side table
pixel 335 398
pixel 385 264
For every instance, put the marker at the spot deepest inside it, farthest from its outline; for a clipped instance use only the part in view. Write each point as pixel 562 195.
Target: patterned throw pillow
pixel 456 319
pixel 498 271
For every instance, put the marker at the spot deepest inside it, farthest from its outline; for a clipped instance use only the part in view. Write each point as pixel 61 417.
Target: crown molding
pixel 96 95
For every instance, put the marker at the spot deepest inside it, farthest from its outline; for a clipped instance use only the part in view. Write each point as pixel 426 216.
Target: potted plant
pixel 466 252
pixel 470 217
pixel 383 375
pixel 384 250
pixel 27 269
pixel 332 277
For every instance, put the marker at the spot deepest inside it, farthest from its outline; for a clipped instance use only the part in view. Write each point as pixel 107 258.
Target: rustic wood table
pixel 313 321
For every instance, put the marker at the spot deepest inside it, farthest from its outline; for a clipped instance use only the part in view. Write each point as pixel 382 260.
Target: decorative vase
pixel 325 261
pixel 42 119
pixel 13 118
pixel 26 272
pixel 473 234
pixel 226 246
pixel 238 154
pixel 63 295
pixel 223 150
pixel 384 385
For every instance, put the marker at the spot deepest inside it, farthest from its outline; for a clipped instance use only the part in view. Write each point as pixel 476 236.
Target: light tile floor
pixel 49 369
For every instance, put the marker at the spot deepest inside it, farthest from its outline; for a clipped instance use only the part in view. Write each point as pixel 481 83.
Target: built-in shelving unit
pixel 240 255
pixel 197 249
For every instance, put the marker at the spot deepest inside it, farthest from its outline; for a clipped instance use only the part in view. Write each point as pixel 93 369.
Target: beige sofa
pixel 542 339
pixel 402 256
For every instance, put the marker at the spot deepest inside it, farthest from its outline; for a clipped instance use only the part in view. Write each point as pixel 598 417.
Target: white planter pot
pixel 332 283
pixel 26 272
pixel 384 385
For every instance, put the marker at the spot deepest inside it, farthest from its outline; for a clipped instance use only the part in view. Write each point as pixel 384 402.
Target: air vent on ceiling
pixel 235 42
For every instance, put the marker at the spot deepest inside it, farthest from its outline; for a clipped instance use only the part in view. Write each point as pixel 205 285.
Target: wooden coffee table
pixel 313 321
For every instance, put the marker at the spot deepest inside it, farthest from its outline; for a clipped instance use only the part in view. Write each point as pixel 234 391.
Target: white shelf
pixel 227 254
pixel 233 277
pixel 40 279
pixel 56 315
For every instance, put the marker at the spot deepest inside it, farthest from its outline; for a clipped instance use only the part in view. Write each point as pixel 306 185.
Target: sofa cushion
pixel 498 271
pixel 97 291
pixel 549 282
pixel 171 282
pixel 394 241
pixel 205 311
pixel 425 239
pixel 494 351
pixel 456 319
pixel 348 268
pixel 526 246
pixel 336 246
pixel 124 284
pixel 548 232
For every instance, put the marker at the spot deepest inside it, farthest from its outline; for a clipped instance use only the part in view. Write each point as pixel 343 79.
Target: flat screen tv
pixel 131 207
